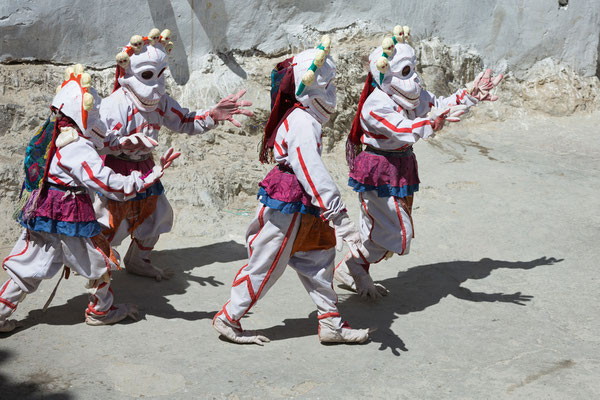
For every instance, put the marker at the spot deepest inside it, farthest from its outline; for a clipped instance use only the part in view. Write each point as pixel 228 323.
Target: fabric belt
pixel 125 157
pixel 398 153
pixel 285 168
pixel 64 188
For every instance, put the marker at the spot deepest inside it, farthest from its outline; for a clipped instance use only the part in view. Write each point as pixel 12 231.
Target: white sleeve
pixel 180 119
pixel 390 124
pixel 311 172
pixel 115 118
pixel 81 161
pixel 460 97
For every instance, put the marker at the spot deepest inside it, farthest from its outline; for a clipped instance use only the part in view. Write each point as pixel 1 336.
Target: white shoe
pixel 136 265
pixel 9 325
pixel 117 313
pixel 343 335
pixel 236 334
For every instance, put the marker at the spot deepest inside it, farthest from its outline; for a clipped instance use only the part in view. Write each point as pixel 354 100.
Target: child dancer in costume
pixel 298 198
pixel 393 114
pixel 134 114
pixel 60 226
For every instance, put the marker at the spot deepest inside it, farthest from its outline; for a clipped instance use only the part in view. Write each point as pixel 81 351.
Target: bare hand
pixel 229 106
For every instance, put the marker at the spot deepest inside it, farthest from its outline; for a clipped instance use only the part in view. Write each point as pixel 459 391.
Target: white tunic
pixel 123 118
pixel 78 164
pixel 298 145
pixel 389 127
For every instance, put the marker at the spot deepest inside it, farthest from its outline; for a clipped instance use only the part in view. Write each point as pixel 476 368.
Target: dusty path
pixel 498 298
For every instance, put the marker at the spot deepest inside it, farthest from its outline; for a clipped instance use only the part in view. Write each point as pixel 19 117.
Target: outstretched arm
pixel 180 119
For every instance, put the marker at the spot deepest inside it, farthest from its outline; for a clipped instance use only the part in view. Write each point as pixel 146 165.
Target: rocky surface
pixel 207 192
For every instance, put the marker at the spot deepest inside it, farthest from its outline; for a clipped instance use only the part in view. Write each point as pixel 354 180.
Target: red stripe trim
pixel 287 126
pixel 5 286
pixel 375 135
pixel 246 278
pixel 133 112
pixel 160 112
pixel 285 240
pixel 421 123
pixel 90 173
pixel 8 303
pixel 389 125
pixel 402 225
pixel 140 246
pixel 308 178
pixel 284 144
pixel 368 215
pixel 4 301
pixel 59 157
pixel 261 222
pixel 117 126
pixel 329 314
pixel 56 179
pixel 279 149
pixel 142 126
pixel 192 118
pixel 16 255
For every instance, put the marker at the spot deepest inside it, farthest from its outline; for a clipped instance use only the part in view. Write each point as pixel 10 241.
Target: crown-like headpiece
pixel 400 34
pixel 309 76
pixel 84 80
pixel 137 42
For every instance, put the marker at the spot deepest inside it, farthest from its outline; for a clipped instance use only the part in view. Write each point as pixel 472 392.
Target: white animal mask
pixel 316 90
pixel 393 67
pixel 143 63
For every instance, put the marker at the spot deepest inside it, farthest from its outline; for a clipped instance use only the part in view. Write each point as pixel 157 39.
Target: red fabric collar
pixel 285 103
pixel 353 143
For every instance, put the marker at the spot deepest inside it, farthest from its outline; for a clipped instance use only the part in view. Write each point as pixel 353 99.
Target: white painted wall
pixel 512 33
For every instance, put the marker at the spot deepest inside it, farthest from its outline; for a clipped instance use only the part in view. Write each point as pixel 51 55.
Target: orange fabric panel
pixel 134 212
pixel 103 245
pixel 313 234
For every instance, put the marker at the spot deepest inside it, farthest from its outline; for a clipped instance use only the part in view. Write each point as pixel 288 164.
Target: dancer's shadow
pixel 31 389
pixel 423 286
pixel 148 294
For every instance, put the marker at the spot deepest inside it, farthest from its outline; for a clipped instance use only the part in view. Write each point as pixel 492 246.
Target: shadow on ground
pixel 150 295
pixel 412 290
pixel 38 385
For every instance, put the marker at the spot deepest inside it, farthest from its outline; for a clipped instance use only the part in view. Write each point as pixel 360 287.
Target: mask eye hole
pixel 147 74
pixel 405 71
pixel 161 72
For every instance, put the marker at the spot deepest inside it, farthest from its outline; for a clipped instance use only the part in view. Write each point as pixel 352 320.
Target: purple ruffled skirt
pixel 389 173
pixel 55 211
pixel 282 191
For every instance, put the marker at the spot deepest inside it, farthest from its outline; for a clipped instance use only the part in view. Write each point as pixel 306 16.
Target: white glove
pixel 155 174
pixel 137 141
pixel 236 334
pixel 167 159
pixel 438 116
pixel 346 231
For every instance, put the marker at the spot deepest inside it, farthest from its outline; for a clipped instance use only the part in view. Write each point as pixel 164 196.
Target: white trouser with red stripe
pixel 39 255
pixel 144 236
pixel 270 238
pixel 384 226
